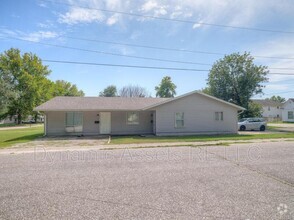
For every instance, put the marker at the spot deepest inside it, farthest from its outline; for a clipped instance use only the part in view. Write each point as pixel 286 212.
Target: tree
pixel 133 91
pixel 64 88
pixel 166 88
pixel 6 92
pixel 254 109
pixel 277 99
pixel 235 78
pixel 206 91
pixel 25 76
pixel 109 91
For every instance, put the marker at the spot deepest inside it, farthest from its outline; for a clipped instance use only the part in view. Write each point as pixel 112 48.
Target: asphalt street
pixel 245 181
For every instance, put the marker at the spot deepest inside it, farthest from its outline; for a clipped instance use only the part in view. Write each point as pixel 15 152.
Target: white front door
pixel 105 122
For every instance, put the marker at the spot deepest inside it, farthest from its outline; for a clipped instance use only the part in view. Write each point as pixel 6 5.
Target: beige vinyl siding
pixel 119 124
pixel 56 123
pixel 199 116
pixel 287 107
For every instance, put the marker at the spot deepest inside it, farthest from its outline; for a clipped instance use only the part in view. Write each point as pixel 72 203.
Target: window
pixel 219 116
pixel 179 119
pixel 74 122
pixel 290 115
pixel 133 118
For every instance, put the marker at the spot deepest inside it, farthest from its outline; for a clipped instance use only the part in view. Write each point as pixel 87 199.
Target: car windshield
pixel 243 119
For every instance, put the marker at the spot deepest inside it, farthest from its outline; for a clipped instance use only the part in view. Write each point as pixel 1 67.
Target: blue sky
pixel 52 23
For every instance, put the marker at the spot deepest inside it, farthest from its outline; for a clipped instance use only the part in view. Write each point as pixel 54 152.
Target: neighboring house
pixel 288 111
pixel 8 120
pixel 192 113
pixel 271 110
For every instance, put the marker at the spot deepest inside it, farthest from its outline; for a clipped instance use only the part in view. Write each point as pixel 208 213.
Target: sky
pixel 36 26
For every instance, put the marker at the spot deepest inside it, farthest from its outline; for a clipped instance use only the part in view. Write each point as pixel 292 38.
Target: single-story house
pixel 191 113
pixel 288 111
pixel 271 110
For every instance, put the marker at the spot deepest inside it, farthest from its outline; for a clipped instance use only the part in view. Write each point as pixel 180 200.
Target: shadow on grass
pixel 24 138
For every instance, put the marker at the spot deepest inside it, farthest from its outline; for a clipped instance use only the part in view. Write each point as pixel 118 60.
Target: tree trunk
pixel 19 118
pixel 36 117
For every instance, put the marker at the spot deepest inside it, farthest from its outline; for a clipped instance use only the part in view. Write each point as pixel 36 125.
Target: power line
pixel 137 66
pixel 123 65
pixel 174 20
pixel 129 56
pixel 274 93
pixel 143 46
pixel 166 48
pixel 109 53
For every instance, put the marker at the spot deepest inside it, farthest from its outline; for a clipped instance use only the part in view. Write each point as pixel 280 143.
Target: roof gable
pixel 191 93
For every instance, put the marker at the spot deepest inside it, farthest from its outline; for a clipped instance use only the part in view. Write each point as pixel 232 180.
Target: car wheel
pixel 242 128
pixel 262 128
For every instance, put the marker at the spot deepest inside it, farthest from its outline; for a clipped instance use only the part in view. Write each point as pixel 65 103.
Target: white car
pixel 252 124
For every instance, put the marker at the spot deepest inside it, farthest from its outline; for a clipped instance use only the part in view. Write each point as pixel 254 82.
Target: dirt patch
pixel 64 142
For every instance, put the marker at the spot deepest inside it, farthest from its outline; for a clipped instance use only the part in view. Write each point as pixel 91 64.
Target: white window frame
pixel 219 116
pixel 183 120
pixel 137 122
pixel 74 127
pixel 291 112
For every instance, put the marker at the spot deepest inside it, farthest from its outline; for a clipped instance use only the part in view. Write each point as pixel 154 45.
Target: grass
pixel 15 136
pixel 8 125
pixel 196 138
pixel 281 122
pixel 17 125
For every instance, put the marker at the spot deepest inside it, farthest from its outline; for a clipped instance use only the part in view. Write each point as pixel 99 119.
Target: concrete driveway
pixel 245 181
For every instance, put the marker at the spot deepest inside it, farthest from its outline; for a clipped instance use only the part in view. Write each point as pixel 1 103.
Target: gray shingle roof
pixel 265 102
pixel 97 103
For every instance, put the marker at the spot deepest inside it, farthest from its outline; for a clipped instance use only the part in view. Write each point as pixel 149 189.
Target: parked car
pixel 252 124
pixel 32 121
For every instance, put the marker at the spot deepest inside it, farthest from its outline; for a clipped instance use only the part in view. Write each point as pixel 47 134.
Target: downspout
pixel 45 124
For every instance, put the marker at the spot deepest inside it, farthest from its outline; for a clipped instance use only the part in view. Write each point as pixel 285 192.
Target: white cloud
pixel 149 5
pixel 81 15
pixel 113 19
pixel 39 35
pixel 227 12
pixel 197 25
pixel 33 36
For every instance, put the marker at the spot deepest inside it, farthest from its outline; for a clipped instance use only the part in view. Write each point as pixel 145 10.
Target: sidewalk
pixel 50 146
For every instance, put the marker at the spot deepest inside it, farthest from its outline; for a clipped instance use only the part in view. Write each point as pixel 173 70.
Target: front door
pixel 105 122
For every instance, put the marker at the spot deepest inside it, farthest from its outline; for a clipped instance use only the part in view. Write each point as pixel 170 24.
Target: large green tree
pixel 6 92
pixel 25 76
pixel 166 88
pixel 64 88
pixel 109 91
pixel 235 78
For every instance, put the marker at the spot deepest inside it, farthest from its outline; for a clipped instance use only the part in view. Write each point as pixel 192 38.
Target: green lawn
pixel 7 125
pixel 14 136
pixel 280 122
pixel 201 138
